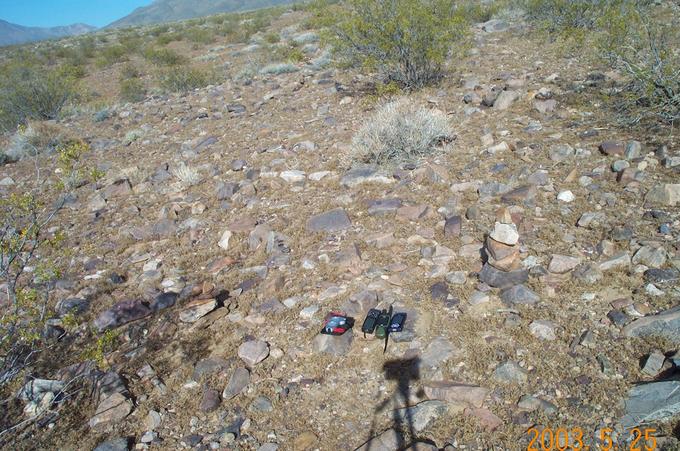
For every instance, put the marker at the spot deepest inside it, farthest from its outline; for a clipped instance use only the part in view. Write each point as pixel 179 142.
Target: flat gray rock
pixel 121 313
pixel 387 441
pixel 382 207
pixel 665 324
pixel 437 352
pixel 238 381
pixel 336 345
pixel 116 444
pixel 366 174
pixel 510 373
pixel 331 221
pixel 501 279
pixel 648 403
pixel 253 352
pixel 519 294
pixel 422 414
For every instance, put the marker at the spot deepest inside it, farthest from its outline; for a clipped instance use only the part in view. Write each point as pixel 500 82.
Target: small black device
pixel 397 322
pixel 382 324
pixel 371 321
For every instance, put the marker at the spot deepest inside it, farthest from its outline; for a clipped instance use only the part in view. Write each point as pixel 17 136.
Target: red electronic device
pixel 337 323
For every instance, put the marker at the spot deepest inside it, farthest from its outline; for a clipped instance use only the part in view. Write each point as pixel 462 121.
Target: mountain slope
pixel 171 10
pixel 11 34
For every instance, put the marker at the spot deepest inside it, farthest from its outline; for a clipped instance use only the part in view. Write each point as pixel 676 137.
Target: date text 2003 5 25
pixel 573 439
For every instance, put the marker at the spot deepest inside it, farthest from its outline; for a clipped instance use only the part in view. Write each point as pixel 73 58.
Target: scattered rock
pixel 238 381
pixel 331 221
pixel 560 264
pixel 337 345
pixel 654 363
pixel 619 261
pixel 121 313
pixel 510 373
pixel 363 175
pixel 505 99
pixel 111 409
pixel 387 441
pixel 519 294
pixel 116 444
pixel 197 309
pixel 651 403
pixel 650 256
pixel 421 415
pixel 666 194
pixel 505 233
pixel 665 324
pixel 253 352
pixel 456 393
pixel 501 279
pixel 542 329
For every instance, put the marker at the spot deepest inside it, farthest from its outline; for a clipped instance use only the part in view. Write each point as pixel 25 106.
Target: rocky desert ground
pixel 536 256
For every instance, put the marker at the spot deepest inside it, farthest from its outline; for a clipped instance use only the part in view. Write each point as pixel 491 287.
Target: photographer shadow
pixel 405 372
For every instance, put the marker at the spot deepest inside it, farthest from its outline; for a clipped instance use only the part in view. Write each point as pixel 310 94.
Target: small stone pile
pixel 503 267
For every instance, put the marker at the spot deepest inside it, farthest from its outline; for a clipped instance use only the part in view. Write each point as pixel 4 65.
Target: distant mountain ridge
pixel 11 34
pixel 171 10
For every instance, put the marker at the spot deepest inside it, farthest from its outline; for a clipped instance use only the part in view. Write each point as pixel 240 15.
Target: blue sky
pixel 50 13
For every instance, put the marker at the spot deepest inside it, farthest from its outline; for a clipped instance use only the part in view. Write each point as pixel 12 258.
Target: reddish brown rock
pixel 218 265
pixel 489 421
pixel 500 251
pixel 456 392
pixel 612 148
pixel 245 224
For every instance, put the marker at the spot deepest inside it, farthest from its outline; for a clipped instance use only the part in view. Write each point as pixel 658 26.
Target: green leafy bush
pixel 643 44
pixel 185 79
pixel 111 55
pixel 163 57
pixel 167 38
pixel 200 35
pixel 638 38
pixel 401 132
pixel 130 71
pixel 272 37
pixel 132 90
pixel 29 91
pixel 27 243
pixel 406 41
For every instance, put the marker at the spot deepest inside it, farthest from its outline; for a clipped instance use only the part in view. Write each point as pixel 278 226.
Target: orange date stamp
pixel 573 439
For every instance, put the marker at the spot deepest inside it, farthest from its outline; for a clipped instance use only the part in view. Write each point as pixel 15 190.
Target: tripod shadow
pixel 405 372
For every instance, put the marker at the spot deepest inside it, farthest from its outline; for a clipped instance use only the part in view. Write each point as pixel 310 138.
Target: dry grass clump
pixel 187 175
pixel 33 139
pixel 401 132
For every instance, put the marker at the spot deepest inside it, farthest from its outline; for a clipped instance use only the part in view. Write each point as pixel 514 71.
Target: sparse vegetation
pixel 28 91
pixel 406 41
pixel 644 48
pixel 163 57
pixel 187 175
pixel 278 68
pixel 401 132
pixel 132 87
pixel 112 54
pixel 200 35
pixel 33 139
pixel 637 38
pixel 184 79
pixel 132 90
pixel 26 274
